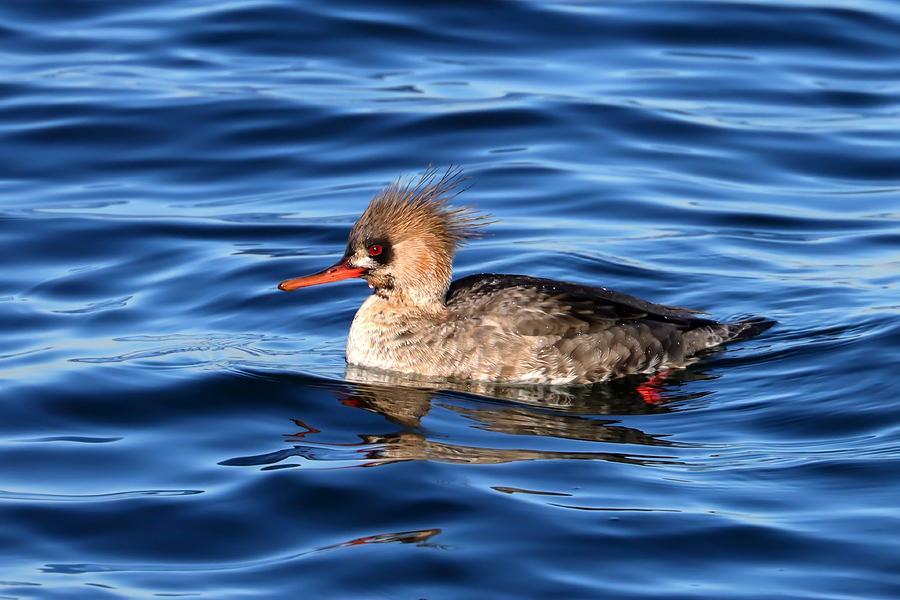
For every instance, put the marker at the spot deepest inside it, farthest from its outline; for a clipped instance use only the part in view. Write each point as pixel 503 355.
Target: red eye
pixel 375 250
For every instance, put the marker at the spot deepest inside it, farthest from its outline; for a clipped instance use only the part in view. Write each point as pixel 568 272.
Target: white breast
pixel 361 341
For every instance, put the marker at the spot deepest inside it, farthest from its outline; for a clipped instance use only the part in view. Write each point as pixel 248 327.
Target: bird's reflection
pixel 564 413
pixel 557 411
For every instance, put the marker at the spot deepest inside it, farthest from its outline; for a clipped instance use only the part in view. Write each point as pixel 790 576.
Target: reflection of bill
pixel 403 537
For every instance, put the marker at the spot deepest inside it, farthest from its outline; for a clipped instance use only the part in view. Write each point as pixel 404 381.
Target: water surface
pixel 171 425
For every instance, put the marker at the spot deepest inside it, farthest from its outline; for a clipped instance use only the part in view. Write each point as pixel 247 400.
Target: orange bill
pixel 337 272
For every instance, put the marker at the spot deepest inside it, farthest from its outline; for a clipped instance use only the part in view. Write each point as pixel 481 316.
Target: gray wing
pixel 528 300
pixel 589 332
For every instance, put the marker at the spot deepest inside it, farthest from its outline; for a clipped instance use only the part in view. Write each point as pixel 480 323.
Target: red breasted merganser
pixel 500 328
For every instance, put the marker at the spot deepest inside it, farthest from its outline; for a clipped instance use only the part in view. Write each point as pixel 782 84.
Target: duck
pixel 490 327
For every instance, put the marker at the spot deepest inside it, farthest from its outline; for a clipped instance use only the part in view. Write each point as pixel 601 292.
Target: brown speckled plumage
pixel 501 328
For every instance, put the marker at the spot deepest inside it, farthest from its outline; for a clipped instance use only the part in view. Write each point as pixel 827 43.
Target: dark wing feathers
pixel 535 306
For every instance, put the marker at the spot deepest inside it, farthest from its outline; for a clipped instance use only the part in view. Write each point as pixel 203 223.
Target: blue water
pixel 171 425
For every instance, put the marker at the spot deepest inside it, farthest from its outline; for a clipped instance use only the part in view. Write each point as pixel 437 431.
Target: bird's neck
pixel 413 299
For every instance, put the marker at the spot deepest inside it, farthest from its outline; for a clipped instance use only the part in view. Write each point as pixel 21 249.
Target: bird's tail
pixel 704 338
pixel 747 328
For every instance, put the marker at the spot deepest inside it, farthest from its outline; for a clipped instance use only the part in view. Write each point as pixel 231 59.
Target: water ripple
pixel 420 538
pixel 37 497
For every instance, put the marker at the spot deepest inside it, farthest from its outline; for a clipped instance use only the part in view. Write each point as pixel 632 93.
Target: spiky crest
pixel 420 207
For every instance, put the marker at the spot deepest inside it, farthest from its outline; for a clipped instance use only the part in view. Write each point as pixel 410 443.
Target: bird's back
pixel 564 332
